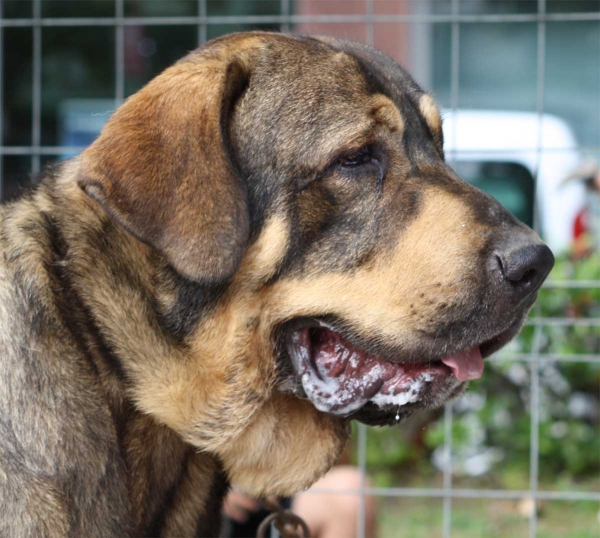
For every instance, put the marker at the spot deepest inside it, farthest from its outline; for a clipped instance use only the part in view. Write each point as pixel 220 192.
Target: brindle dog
pixel 263 243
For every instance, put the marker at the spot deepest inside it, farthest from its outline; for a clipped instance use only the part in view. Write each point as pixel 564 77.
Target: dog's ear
pixel 162 167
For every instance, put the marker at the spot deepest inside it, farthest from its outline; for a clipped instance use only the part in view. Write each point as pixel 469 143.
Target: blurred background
pixel 519 84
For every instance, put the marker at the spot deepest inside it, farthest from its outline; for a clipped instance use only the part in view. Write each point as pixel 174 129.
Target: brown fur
pixel 144 284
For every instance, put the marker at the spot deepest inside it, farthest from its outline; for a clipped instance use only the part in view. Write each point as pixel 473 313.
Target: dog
pixel 263 244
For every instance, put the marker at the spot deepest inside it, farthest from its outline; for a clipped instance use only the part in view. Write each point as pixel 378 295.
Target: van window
pixel 510 183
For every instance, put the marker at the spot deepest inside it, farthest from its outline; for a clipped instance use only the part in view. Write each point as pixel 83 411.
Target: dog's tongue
pixel 466 365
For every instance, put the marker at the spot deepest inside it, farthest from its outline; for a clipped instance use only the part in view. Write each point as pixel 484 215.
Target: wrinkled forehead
pixel 321 95
pixel 309 88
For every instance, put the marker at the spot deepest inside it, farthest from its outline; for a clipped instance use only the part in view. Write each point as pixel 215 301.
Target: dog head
pixel 318 259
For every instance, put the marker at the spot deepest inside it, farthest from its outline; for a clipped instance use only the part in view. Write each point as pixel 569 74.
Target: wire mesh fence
pixel 363 20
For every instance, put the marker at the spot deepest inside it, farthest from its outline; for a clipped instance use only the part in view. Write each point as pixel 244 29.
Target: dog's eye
pixel 368 161
pixel 356 159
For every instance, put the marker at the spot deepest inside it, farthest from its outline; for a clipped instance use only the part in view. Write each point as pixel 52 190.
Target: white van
pixel 503 152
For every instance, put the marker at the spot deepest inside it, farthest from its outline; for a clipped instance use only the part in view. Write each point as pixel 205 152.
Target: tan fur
pixel 430 112
pixel 441 237
pixel 189 496
pixel 263 258
pixel 387 113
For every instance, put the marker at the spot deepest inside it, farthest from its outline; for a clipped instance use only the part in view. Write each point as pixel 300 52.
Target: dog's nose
pixel 526 267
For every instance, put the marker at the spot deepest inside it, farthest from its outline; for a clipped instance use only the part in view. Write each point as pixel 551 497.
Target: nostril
pixel 500 265
pixel 519 274
pixel 528 277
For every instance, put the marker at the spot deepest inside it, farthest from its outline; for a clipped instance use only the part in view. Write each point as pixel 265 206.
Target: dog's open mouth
pixel 340 377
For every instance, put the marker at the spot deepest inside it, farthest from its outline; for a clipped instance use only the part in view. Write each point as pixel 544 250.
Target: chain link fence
pixel 411 31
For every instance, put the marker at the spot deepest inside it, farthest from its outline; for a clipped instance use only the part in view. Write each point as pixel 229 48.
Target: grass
pixel 422 518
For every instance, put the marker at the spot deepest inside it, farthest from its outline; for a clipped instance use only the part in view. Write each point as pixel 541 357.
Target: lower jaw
pixel 426 392
pixel 373 415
